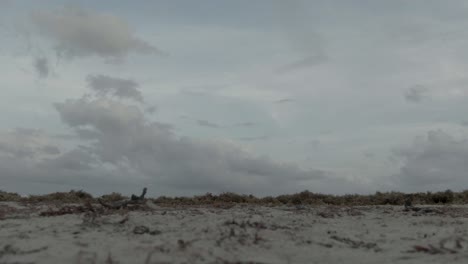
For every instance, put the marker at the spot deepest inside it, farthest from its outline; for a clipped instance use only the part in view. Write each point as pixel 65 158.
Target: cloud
pixel 74 169
pixel 210 124
pixel 23 143
pixel 41 65
pixel 206 123
pixel 314 144
pixel 104 115
pixel 297 26
pixel 116 146
pixel 416 94
pixel 283 101
pixel 245 124
pixel 369 154
pixel 124 136
pixel 74 160
pixel 151 109
pixel 307 62
pixel 78 32
pixel 194 93
pixel 437 161
pixel 253 138
pixel 122 88
pixel 50 150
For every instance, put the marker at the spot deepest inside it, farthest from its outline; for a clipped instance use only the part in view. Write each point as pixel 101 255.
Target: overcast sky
pixel 249 96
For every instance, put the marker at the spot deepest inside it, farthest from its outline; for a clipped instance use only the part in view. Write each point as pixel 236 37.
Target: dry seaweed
pixel 10 250
pixel 450 245
pixel 88 207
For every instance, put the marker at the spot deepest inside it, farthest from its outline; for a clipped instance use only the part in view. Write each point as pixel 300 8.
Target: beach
pixel 234 233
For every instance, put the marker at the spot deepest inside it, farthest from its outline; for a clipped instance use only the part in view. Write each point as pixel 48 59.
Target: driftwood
pixel 124 203
pixel 139 198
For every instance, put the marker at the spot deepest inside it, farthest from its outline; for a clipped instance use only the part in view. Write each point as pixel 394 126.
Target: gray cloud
pixel 104 115
pixel 369 154
pixel 315 143
pixel 206 123
pixel 435 162
pixel 245 124
pixel 283 101
pixel 49 149
pixel 194 93
pixel 17 150
pixel 294 20
pixel 253 138
pixel 80 32
pixel 41 65
pixel 151 109
pixel 25 143
pixel 75 169
pixel 29 159
pixel 77 160
pixel 307 62
pixel 124 136
pixel 116 146
pixel 416 93
pixel 122 88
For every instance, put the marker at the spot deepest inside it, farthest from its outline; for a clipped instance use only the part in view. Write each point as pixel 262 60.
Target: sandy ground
pixel 236 234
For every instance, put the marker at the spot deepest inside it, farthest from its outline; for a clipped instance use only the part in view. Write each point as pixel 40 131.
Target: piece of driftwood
pixel 124 203
pixel 139 198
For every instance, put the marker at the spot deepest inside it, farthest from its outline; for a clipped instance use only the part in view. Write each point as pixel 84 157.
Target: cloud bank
pixel 120 145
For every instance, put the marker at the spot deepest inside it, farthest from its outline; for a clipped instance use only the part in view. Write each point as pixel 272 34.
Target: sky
pixel 260 97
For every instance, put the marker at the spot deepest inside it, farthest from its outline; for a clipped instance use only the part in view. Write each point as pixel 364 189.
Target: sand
pixel 235 234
